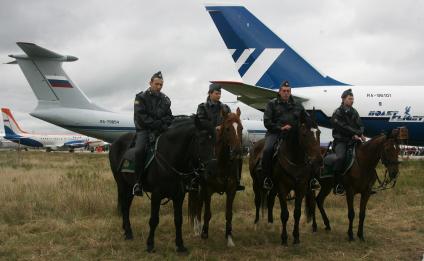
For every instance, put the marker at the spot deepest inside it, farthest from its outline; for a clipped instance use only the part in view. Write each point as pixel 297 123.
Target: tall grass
pixel 62 206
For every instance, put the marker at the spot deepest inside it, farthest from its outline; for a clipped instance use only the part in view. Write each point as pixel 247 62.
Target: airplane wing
pixel 254 96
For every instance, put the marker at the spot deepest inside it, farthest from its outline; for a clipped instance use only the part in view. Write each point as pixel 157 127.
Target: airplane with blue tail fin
pixel 263 61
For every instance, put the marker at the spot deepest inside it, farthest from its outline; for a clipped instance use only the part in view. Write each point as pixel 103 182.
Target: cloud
pixel 121 44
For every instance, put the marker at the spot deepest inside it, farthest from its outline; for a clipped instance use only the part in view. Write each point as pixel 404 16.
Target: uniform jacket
pixel 208 111
pixel 346 123
pixel 279 113
pixel 152 111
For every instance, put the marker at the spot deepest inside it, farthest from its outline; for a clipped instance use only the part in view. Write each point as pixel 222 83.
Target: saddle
pixel 330 160
pixel 128 165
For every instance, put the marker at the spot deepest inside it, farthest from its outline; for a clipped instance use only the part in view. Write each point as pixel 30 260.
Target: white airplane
pixel 264 61
pixel 62 103
pixel 49 141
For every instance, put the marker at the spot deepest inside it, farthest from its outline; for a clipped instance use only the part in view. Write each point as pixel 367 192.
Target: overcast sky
pixel 120 44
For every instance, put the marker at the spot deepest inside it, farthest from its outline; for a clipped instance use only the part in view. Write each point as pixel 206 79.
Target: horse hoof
pixel 204 236
pixel 328 228
pixel 230 242
pixel 361 238
pixel 150 249
pixel 284 243
pixel 314 229
pixel 129 236
pixel 351 239
pixel 182 249
pixel 296 242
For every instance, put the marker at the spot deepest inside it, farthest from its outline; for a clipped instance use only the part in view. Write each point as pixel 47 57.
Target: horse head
pixel 205 137
pixel 309 140
pixel 230 134
pixel 390 153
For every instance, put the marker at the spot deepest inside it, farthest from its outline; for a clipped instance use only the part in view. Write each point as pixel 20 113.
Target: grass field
pixel 62 206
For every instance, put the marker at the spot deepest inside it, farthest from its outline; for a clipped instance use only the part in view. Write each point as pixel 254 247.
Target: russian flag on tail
pixel 58 81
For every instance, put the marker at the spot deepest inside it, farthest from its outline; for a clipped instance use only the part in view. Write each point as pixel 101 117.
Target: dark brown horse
pixel 221 178
pixel 360 178
pixel 298 157
pixel 181 151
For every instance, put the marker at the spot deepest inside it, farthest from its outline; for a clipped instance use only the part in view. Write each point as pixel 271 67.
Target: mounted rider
pixel 347 127
pixel 212 112
pixel 152 116
pixel 280 116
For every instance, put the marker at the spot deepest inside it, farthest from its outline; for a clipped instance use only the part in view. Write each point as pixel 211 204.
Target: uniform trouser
pixel 340 149
pixel 270 140
pixel 141 142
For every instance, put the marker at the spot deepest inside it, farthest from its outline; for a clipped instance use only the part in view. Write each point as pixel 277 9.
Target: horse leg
pixel 351 212
pixel 325 190
pixel 284 216
pixel 258 200
pixel 178 221
pixel 229 218
pixel 271 202
pixel 296 215
pixel 154 220
pixel 126 197
pixel 198 218
pixel 311 198
pixel 206 216
pixel 363 206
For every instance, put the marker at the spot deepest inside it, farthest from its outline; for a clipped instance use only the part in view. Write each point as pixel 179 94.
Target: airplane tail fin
pixel 49 82
pixel 261 57
pixel 11 127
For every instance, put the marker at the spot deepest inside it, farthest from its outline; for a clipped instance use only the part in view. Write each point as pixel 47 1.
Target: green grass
pixel 62 206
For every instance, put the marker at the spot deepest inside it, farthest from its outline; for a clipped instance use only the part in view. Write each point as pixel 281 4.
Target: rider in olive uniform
pixel 152 115
pixel 281 114
pixel 347 126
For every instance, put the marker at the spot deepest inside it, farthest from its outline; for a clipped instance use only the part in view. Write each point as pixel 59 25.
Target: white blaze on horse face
pixel 315 131
pixel 235 125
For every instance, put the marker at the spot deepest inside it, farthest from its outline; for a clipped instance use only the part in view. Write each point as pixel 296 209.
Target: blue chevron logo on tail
pixel 261 57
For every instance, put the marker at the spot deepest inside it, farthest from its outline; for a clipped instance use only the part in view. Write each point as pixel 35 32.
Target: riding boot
pixel 239 186
pixel 138 169
pixel 137 189
pixel 338 184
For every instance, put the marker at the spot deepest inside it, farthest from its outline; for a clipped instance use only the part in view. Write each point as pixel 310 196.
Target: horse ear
pixel 238 112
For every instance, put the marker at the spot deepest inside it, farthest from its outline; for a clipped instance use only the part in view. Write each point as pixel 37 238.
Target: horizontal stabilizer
pixel 254 96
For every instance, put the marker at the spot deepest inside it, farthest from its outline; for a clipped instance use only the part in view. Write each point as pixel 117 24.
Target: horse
pixel 222 178
pixel 298 157
pixel 180 153
pixel 360 178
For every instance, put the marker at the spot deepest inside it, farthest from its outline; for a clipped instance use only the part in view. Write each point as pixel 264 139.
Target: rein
pixel 386 183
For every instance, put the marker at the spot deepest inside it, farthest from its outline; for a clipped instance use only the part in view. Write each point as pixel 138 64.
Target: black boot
pixel 338 184
pixel 137 189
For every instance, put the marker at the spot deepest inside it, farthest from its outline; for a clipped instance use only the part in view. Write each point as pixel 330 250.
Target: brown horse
pixel 298 157
pixel 221 178
pixel 360 178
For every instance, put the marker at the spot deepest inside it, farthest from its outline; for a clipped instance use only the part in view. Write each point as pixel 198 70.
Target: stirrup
pixel 339 190
pixel 137 190
pixel 314 184
pixel 268 183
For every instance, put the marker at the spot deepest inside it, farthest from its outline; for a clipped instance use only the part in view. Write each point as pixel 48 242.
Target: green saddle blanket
pixel 128 165
pixel 330 159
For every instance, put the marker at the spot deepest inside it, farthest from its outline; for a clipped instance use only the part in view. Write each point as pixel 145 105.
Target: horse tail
pixel 309 205
pixel 194 198
pixel 264 194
